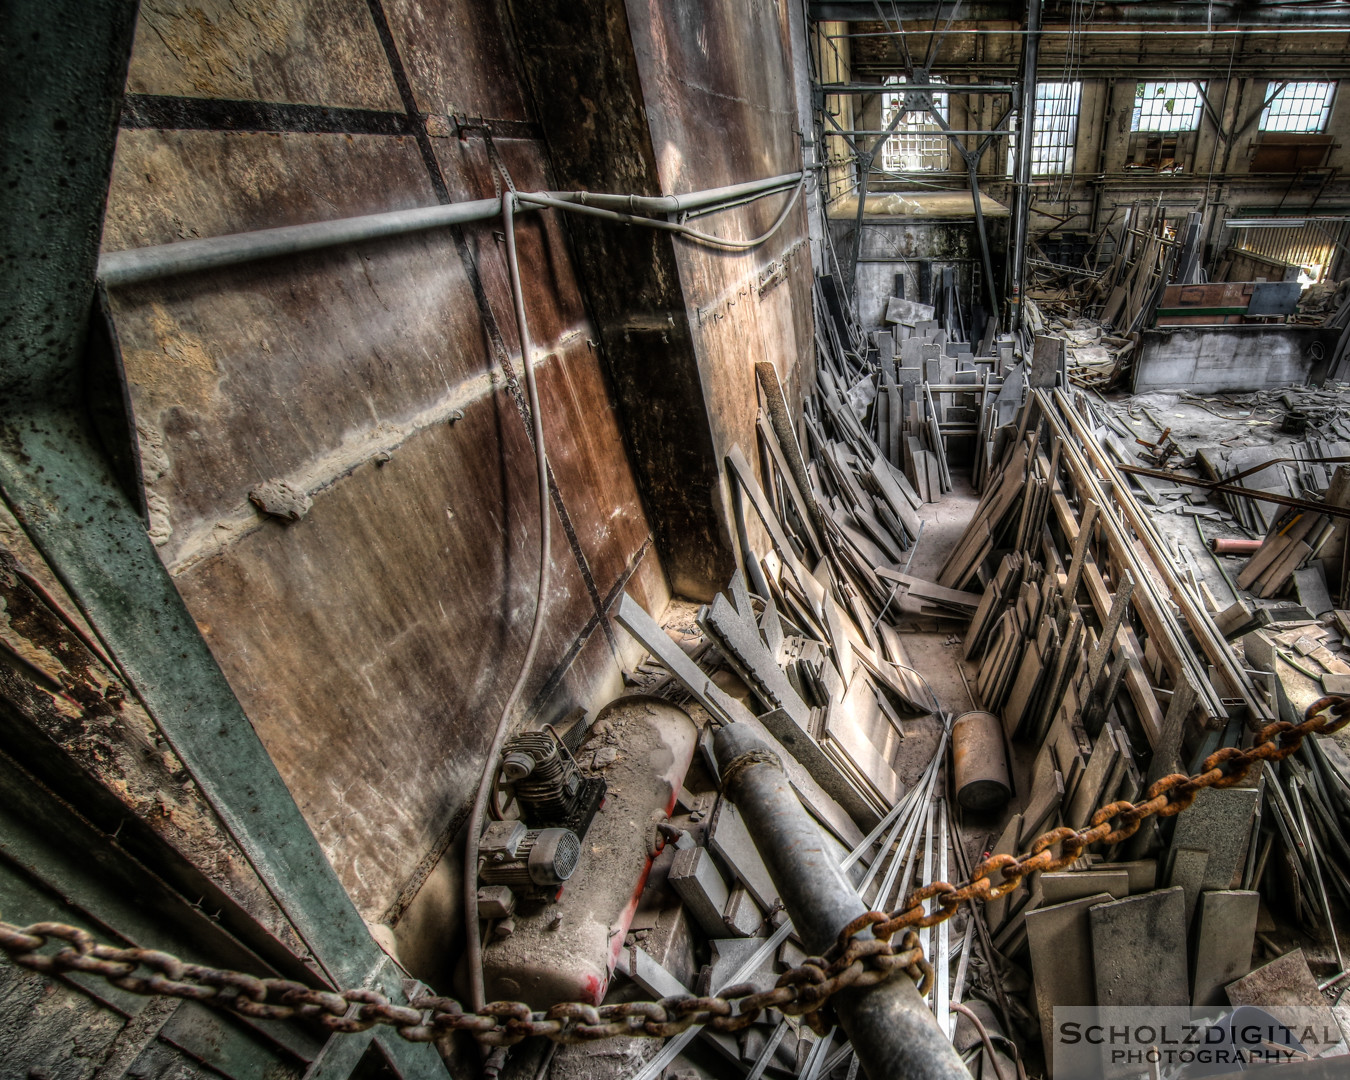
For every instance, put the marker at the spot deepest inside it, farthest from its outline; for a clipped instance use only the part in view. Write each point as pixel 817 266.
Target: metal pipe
pixel 980 762
pixel 474 945
pixel 982 235
pixel 1222 545
pixel 677 204
pixel 192 256
pixel 894 1034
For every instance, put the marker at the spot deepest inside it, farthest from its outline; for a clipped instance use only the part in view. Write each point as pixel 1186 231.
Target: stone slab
pixel 1219 822
pixel 729 954
pixel 1188 874
pixel 1223 943
pixel 1139 950
pixel 651 977
pixel 742 917
pixel 697 881
pixel 1143 874
pixel 1060 942
pixel 730 839
pixel 737 635
pixel 1285 981
pixel 1063 887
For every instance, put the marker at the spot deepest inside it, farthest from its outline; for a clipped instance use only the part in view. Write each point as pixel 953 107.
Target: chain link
pixel 805 990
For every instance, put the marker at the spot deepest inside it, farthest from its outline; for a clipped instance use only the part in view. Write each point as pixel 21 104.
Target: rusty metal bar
pixel 894 1034
pixel 1254 494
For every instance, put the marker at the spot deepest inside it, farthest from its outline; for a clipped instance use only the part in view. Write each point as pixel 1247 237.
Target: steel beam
pixel 946 88
pixel 1026 122
pixel 881 131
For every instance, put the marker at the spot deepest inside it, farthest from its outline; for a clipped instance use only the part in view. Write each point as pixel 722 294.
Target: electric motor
pixel 532 862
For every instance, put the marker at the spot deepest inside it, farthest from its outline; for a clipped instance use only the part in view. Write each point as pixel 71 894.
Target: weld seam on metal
pixel 405 93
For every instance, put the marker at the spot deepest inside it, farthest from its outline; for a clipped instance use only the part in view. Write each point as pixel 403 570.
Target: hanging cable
pixel 473 943
pixel 539 199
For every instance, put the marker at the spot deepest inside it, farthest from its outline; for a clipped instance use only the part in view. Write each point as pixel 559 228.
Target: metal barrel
pixel 893 1033
pixel 980 761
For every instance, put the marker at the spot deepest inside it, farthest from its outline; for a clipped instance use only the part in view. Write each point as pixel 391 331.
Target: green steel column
pixel 63 66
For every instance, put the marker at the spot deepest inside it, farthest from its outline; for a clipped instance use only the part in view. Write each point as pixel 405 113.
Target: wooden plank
pixel 1153 574
pixel 1136 679
pixel 1274 579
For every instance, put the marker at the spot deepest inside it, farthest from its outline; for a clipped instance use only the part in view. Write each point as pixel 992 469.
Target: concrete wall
pixel 1217 359
pixel 896 247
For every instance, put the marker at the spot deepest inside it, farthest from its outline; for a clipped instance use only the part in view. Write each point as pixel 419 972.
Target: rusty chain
pixel 803 991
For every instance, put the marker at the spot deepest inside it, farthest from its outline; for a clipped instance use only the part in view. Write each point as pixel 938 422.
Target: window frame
pixel 925 133
pixel 1143 100
pixel 1324 110
pixel 1047 151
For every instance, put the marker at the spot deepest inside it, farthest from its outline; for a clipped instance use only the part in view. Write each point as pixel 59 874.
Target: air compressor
pixel 559 885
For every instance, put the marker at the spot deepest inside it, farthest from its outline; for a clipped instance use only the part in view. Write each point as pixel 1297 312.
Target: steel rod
pixel 892 1031
pixel 942 988
pixel 1026 120
pixel 900 88
pixel 852 132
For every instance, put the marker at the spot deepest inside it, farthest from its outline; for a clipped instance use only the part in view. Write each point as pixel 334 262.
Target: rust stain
pixel 216 43
pixel 74 700
pixel 177 372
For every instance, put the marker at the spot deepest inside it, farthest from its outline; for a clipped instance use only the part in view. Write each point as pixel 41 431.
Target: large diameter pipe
pixel 892 1031
pixel 1222 545
pixel 979 762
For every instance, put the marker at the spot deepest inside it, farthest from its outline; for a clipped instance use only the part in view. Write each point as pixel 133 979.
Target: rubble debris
pixel 1111 648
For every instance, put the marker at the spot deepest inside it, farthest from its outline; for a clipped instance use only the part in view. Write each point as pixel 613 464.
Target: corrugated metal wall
pixel 1311 246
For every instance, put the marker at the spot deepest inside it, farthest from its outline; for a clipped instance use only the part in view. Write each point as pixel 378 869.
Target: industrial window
pixel 1055 127
pixel 1299 106
pixel 1167 106
pixel 918 144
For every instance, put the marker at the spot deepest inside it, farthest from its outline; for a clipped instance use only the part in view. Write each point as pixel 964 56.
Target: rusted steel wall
pixel 373 641
pixel 659 98
pixel 717 80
